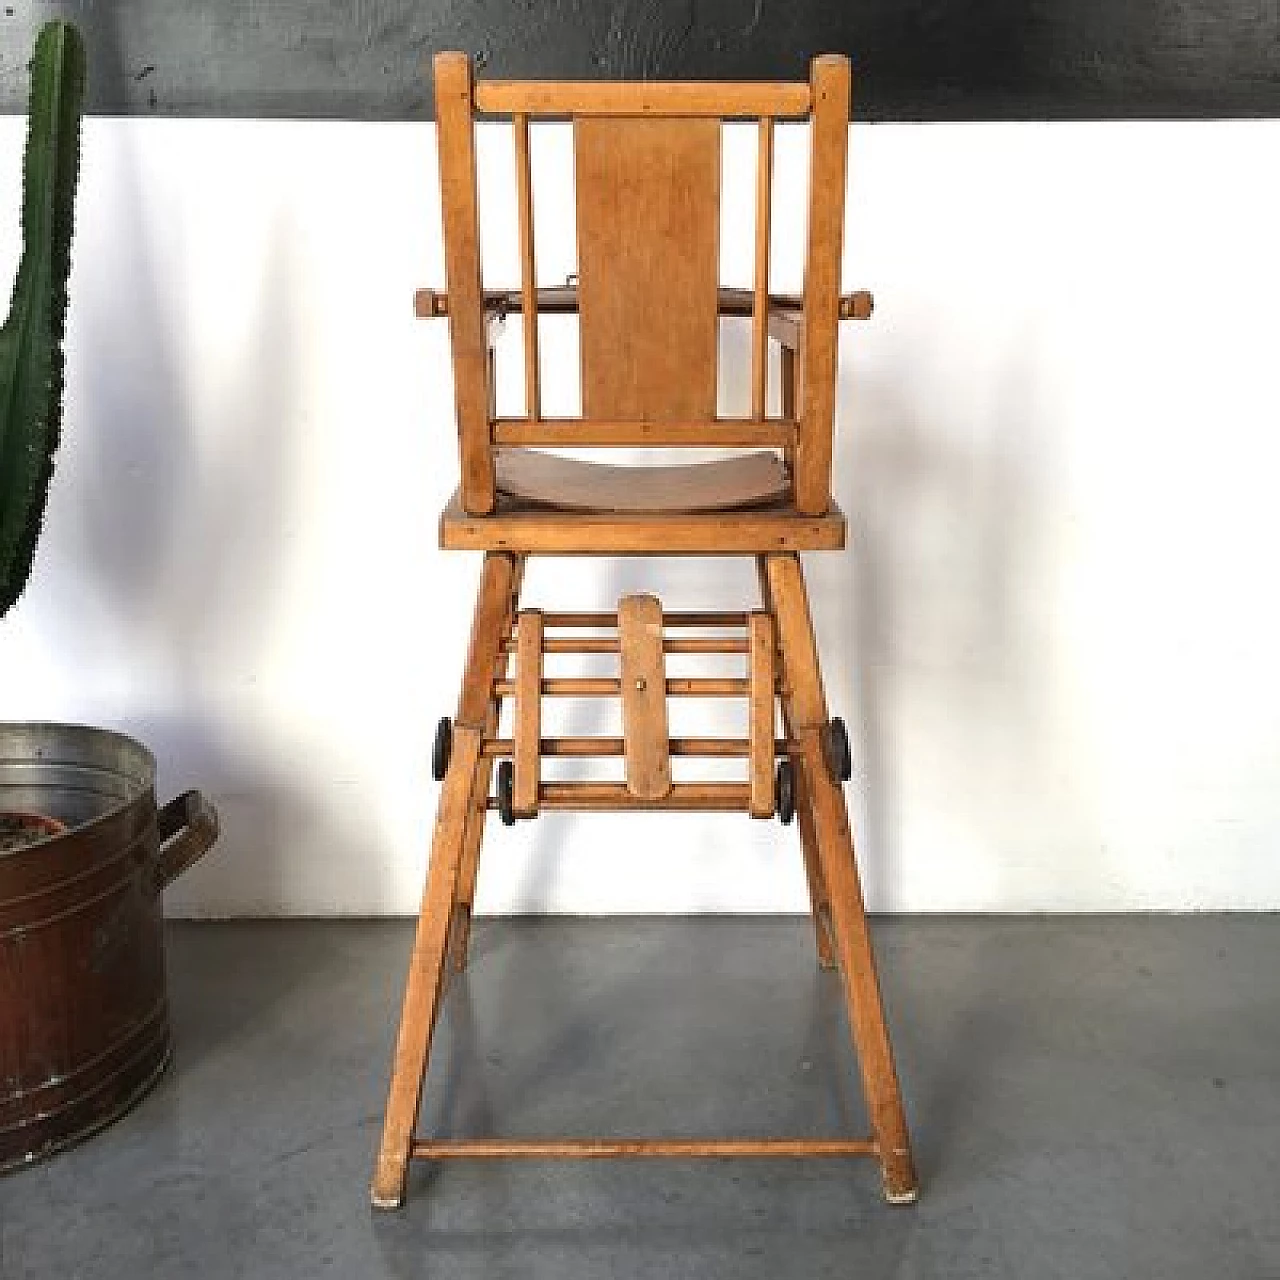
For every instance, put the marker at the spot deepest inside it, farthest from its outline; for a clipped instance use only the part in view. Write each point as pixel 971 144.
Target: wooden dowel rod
pixel 686 619
pixel 728 748
pixel 589 1148
pixel 670 644
pixel 760 308
pixel 528 270
pixel 728 797
pixel 606 686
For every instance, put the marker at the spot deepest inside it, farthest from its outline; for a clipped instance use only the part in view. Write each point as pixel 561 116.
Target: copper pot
pixel 84 1023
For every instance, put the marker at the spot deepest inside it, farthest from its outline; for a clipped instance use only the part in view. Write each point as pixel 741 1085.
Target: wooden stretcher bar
pixel 609 687
pixel 588 1148
pixel 670 644
pixel 687 618
pixel 703 748
pixel 683 797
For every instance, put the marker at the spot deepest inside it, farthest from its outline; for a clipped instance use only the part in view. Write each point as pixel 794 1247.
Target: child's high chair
pixel 647 164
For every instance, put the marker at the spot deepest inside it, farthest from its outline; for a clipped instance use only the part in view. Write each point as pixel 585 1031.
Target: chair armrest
pixel 786 322
pixel 431 304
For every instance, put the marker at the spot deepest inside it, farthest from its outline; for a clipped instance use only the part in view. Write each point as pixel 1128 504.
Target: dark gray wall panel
pixel 916 59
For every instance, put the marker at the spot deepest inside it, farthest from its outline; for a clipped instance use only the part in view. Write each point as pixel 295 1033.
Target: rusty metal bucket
pixel 84 1022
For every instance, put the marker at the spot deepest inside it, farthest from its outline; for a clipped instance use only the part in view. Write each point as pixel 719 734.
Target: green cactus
pixel 31 340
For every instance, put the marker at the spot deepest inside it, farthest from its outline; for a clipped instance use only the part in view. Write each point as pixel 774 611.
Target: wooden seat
pixel 570 484
pixel 650 306
pixel 520 526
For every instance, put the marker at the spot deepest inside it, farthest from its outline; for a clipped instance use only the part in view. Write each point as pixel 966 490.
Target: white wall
pixel 1055 636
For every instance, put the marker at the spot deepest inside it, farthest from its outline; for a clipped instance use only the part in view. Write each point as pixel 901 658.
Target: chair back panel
pixel 647 159
pixel 648 210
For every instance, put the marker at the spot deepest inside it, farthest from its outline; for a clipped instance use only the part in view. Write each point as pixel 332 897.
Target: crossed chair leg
pixel 843 939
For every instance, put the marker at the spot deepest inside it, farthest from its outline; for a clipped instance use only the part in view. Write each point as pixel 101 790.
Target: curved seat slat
pixel 570 484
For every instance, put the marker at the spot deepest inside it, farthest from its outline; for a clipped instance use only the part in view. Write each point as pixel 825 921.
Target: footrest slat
pixel 644 697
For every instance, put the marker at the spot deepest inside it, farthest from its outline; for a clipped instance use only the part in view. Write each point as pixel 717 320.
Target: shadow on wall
pixel 132 429
pixel 219 612
pixel 942 602
pixel 173 533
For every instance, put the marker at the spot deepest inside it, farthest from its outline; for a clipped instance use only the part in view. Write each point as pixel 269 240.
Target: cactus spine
pixel 31 341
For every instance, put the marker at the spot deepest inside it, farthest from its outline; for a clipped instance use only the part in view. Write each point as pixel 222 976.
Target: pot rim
pixel 140 778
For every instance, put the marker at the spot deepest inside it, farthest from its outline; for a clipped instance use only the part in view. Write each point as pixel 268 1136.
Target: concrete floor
pixel 1090 1098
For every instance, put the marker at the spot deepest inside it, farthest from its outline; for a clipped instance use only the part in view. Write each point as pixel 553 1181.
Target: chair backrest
pixel 647 173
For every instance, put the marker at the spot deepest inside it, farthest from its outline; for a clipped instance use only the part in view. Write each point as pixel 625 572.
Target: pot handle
pixel 188 826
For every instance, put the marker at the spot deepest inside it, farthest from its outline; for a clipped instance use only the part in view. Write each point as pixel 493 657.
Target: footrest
pixel 644 697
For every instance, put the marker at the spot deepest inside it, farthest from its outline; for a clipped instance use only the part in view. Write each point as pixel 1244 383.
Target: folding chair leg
pixel 473 838
pixel 819 899
pixel 467 778
pixel 821 796
pixel 426 972
pixel 469 868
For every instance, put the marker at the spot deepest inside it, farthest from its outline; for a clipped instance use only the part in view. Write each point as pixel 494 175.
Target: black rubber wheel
pixel 506 793
pixel 442 749
pixel 786 785
pixel 835 748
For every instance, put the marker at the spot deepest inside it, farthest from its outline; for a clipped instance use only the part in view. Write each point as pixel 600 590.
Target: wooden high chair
pixel 647 162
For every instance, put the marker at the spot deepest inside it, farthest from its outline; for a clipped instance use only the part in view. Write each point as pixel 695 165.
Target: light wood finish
pixel 803 694
pixel 688 1148
pixel 602 797
pixel 610 687
pixel 648 217
pixel 526 527
pixel 570 484
pixel 670 644
pixel 473 837
pixel 589 98
pixel 672 618
pixel 489 629
pixel 528 714
pixel 562 299
pixel 715 433
pixel 426 974
pixel 435 916
pixel 829 140
pixel 760 307
pixel 528 269
pixel 643 683
pixel 455 136
pixel 819 898
pixel 648 208
pixel 723 748
pixel 760 711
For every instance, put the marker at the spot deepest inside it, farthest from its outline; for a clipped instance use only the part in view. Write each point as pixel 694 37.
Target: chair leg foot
pixel 901 1186
pixel 390 1196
